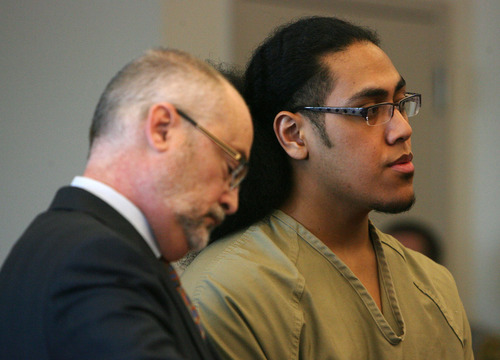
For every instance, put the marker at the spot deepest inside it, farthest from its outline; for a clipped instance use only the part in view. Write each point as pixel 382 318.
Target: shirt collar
pixel 121 204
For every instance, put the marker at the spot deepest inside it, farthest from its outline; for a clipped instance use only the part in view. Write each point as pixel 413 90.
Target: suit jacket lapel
pixel 76 199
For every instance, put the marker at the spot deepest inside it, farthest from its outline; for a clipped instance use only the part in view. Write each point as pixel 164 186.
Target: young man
pixel 312 278
pixel 89 279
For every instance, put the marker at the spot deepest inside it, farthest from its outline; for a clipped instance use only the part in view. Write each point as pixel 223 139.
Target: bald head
pixel 160 75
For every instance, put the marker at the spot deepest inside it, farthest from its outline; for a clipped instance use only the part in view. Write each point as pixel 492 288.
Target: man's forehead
pixel 363 70
pixel 235 127
pixel 377 92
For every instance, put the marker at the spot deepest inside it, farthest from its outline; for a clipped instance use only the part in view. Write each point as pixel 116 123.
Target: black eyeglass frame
pixel 239 172
pixel 363 111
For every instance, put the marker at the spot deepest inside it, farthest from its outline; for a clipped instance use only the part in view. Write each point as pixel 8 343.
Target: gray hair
pixel 159 75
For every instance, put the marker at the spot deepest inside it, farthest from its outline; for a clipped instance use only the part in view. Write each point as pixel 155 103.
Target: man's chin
pixel 395 207
pixel 198 241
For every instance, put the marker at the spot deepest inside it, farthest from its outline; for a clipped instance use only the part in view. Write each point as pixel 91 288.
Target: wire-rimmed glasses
pixel 238 167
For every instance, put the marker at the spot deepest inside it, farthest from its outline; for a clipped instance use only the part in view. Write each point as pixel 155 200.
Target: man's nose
pixel 229 200
pixel 398 129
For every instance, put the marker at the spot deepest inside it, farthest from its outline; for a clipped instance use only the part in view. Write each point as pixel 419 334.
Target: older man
pixel 91 277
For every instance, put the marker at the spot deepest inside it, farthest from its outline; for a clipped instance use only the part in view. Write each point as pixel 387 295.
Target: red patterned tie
pixel 174 277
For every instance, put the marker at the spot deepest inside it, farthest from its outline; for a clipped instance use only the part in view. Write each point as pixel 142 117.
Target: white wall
pixel 57 56
pixel 55 59
pixel 484 123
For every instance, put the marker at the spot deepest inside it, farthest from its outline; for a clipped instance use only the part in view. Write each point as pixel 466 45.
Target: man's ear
pixel 288 128
pixel 160 119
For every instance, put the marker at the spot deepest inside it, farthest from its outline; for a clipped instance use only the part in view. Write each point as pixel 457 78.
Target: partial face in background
pixel 367 167
pixel 414 241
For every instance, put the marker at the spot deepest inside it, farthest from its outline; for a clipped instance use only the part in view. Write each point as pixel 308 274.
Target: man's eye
pixel 373 111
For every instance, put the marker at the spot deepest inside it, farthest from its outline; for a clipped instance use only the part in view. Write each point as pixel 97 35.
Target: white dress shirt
pixel 121 204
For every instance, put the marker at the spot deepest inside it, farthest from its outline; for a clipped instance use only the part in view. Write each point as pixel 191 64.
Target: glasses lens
pixel 379 114
pixel 410 107
pixel 238 175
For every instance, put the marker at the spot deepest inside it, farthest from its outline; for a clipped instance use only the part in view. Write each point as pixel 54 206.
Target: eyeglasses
pixel 238 167
pixel 377 114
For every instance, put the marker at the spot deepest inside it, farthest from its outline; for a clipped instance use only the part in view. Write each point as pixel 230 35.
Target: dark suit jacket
pixel 81 283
